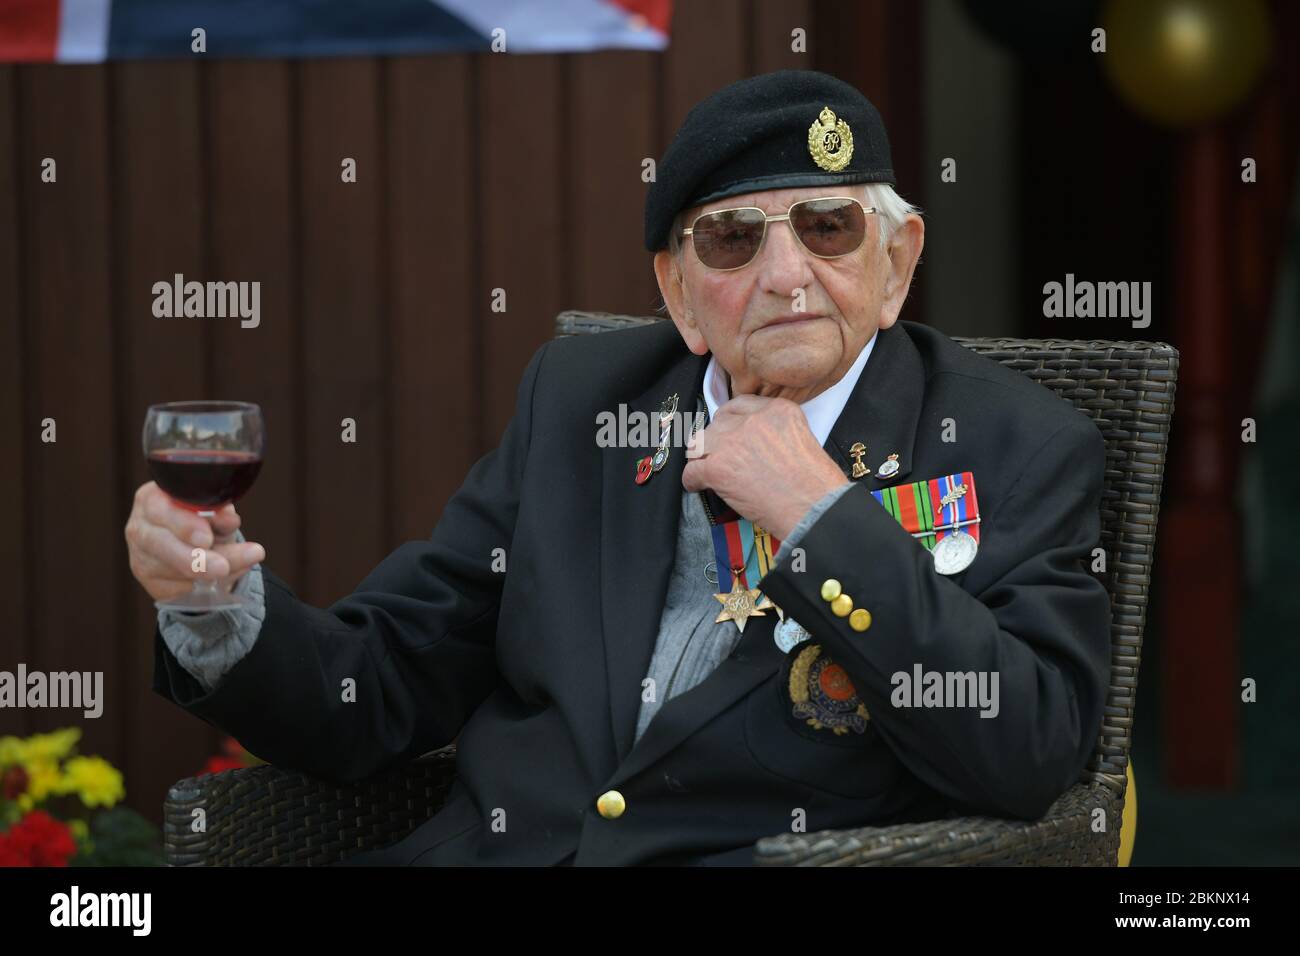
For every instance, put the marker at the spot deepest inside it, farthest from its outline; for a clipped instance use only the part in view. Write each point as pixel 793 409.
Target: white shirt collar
pixel 822 411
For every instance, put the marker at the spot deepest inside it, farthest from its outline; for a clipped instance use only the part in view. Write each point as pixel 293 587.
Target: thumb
pixel 693 475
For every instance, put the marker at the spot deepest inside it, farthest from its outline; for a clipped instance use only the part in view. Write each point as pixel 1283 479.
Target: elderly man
pixel 857 597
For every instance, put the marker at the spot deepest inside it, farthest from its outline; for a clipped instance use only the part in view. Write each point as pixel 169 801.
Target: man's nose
pixel 783 259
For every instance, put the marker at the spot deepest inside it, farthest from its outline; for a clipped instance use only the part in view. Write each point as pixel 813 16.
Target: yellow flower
pixel 43 779
pixel 12 751
pixel 93 779
pixel 52 746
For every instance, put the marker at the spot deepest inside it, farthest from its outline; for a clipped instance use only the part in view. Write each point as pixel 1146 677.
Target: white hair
pixel 891 210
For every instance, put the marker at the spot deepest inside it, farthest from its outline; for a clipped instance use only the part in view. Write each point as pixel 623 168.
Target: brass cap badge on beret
pixel 830 141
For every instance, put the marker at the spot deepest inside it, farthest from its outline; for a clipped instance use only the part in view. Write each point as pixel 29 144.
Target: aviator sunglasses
pixel 828 227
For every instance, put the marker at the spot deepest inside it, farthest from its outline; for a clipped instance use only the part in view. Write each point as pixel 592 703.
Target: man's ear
pixel 673 289
pixel 902 253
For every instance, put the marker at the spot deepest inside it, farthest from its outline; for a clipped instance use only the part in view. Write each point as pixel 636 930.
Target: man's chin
pixel 794 376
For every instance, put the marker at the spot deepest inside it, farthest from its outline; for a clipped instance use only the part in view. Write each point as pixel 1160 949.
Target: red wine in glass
pixel 204 455
pixel 203 480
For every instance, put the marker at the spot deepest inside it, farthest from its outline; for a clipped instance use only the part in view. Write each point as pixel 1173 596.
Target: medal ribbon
pixel 959 509
pixel 918 507
pixel 742 544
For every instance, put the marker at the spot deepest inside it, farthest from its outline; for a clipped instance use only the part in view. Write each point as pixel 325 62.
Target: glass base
pixel 206 598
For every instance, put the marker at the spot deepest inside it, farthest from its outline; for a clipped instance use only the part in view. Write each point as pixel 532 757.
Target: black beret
pixel 757 134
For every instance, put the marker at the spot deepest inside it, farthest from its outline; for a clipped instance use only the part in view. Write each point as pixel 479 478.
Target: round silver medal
pixel 955 553
pixel 789 634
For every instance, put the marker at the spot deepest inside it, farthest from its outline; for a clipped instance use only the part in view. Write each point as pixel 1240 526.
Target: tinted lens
pixel 829 227
pixel 728 239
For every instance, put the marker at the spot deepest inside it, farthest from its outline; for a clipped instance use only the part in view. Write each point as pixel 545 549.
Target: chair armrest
pixel 265 816
pixel 1063 837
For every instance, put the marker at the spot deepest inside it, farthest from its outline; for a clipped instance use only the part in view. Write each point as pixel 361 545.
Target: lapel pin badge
pixel 647 466
pixel 643 470
pixel 888 467
pixel 857 451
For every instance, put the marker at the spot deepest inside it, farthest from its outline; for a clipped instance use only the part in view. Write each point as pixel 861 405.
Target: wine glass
pixel 204 455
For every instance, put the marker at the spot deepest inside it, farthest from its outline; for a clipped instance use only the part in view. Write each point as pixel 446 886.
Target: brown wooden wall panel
pixel 710 48
pixel 344 325
pixel 774 22
pixel 158 228
pixel 251 208
pixel 70 342
pixel 612 107
pixel 17 430
pixel 522 157
pixel 434 384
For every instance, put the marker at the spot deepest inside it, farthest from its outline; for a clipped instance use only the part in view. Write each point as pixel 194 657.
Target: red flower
pixel 37 840
pixel 9 855
pixel 13 783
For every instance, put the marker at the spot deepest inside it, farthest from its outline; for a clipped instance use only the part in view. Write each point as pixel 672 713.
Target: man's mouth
pixel 790 320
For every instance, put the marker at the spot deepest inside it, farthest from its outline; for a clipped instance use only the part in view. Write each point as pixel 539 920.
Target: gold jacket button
pixel 842 605
pixel 860 619
pixel 830 589
pixel 611 804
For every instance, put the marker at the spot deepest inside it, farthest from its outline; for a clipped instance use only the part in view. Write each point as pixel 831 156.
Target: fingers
pixel 158 509
pixel 167 553
pixel 239 557
pixel 695 475
pixel 160 557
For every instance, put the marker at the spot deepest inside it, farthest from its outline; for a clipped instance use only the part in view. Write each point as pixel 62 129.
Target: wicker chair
pixel 268 816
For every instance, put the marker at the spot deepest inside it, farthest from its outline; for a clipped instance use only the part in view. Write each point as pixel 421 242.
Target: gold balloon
pixel 1182 62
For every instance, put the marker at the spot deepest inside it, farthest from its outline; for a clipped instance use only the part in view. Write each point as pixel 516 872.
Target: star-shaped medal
pixel 739 605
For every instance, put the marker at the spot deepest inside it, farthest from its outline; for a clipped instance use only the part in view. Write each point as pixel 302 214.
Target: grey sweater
pixel 689 646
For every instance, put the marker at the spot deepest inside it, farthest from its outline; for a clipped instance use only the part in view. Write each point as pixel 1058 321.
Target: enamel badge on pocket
pixel 822 694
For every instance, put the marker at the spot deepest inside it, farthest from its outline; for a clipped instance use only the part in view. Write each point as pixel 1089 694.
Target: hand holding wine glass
pixel 161 536
pixel 203 456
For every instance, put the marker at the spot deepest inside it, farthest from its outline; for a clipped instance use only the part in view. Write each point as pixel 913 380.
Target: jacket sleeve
pixel 1034 616
pixel 396 668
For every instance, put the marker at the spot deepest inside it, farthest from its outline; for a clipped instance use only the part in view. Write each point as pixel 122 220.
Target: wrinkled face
pixel 789 323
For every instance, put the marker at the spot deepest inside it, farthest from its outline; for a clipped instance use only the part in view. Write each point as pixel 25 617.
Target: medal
pixel 789 634
pixel 955 553
pixel 738 605
pixel 941 513
pixel 743 553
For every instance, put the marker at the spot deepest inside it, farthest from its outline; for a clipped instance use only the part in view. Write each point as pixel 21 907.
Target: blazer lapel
pixel 882 413
pixel 638 544
pixel 883 410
